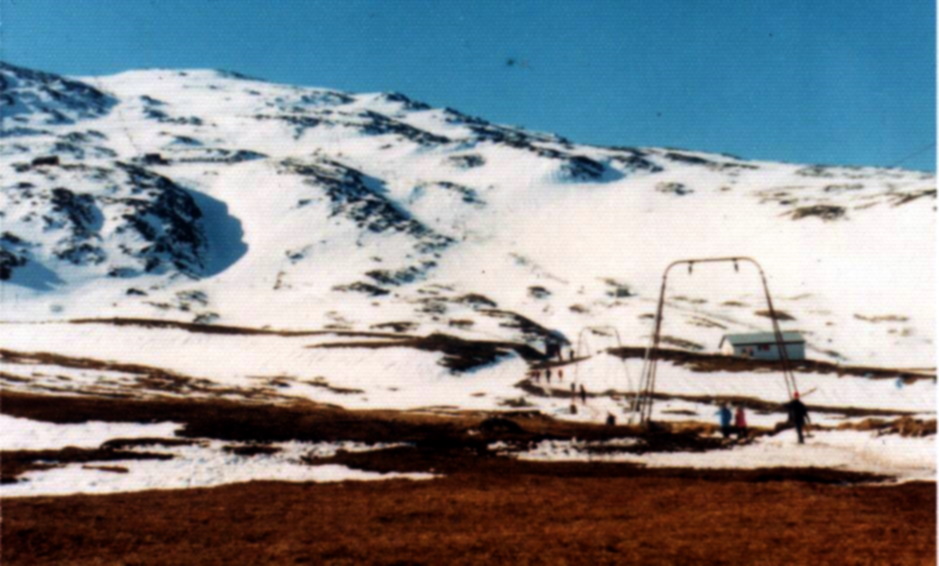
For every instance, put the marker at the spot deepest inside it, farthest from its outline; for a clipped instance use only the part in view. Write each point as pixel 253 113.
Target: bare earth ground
pixel 475 519
pixel 484 509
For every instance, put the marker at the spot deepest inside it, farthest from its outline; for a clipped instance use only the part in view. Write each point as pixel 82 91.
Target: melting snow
pixel 204 464
pixel 26 434
pixel 905 458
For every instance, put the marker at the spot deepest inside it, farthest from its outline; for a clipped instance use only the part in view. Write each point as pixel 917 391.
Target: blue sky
pixel 815 81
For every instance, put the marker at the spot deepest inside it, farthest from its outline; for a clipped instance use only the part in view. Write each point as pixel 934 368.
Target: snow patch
pixel 904 458
pixel 26 434
pixel 206 463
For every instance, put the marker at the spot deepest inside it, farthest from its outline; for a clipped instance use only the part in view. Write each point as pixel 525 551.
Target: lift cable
pixel 916 153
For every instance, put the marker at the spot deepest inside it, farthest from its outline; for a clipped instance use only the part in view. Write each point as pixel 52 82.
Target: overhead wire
pixel 916 153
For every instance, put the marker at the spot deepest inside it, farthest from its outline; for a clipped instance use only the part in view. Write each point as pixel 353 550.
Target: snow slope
pixel 207 195
pixel 372 220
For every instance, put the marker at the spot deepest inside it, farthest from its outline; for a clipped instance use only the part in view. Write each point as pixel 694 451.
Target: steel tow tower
pixel 645 395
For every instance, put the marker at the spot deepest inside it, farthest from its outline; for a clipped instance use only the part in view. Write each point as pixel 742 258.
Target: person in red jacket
pixel 740 422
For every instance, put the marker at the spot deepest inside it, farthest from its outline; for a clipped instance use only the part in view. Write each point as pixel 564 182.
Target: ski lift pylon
pixel 646 391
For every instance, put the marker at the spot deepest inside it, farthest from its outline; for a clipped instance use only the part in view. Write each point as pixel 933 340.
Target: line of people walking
pixel 536 375
pixel 581 391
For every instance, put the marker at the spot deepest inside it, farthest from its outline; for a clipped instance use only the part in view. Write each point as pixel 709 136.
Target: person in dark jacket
pixel 798 415
pixel 550 348
pixel 725 418
pixel 583 394
pixel 740 422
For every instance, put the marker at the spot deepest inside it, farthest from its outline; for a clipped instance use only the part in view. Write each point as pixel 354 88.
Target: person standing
pixel 583 394
pixel 740 422
pixel 725 418
pixel 798 415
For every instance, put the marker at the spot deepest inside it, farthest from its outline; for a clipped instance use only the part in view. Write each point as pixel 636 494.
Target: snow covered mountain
pixel 210 197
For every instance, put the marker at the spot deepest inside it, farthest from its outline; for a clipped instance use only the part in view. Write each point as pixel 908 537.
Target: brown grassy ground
pixel 483 509
pixel 308 421
pixel 482 519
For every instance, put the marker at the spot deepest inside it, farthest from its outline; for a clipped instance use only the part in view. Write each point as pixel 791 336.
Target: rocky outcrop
pixel 35 98
pixel 359 199
pixel 168 221
pixel 126 218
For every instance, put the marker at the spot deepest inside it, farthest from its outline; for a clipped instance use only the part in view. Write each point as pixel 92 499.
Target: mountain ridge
pixel 207 195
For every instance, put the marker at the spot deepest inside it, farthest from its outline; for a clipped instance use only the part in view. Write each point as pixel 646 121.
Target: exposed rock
pixel 361 287
pixel 399 326
pixel 377 124
pixel 476 301
pixel 406 102
pixel 34 97
pixel 467 160
pixel 633 161
pixel 401 276
pixel 673 189
pixel 539 292
pixel 169 222
pixel 467 194
pixel 687 158
pixel 827 212
pixel 45 160
pixel 618 289
pixel 8 262
pixel 351 196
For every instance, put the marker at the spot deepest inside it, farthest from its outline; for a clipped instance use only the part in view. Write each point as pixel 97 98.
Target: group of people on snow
pixel 736 421
pixel 536 375
pixel 732 421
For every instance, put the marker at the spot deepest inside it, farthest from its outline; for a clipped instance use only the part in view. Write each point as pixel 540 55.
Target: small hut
pixel 762 345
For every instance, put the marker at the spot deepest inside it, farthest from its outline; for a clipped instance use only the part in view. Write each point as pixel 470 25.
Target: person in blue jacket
pixel 725 417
